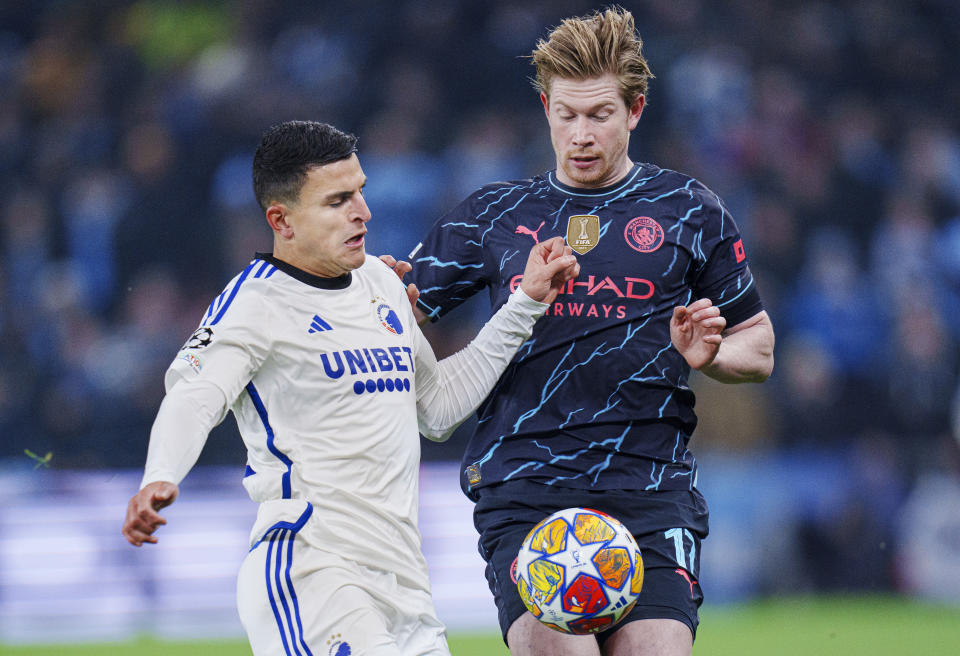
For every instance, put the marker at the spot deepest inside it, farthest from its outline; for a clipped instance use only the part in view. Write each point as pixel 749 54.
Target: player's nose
pixel 582 132
pixel 361 211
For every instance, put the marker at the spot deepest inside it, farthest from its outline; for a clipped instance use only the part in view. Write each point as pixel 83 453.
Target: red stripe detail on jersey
pixel 738 251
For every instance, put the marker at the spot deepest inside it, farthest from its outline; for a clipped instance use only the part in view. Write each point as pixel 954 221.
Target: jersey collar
pixel 593 192
pixel 340 282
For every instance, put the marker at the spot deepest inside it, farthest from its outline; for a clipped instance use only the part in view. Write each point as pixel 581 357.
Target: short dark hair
pixel 288 151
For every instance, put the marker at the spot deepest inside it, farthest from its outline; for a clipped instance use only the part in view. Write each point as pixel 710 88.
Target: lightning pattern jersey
pixel 597 398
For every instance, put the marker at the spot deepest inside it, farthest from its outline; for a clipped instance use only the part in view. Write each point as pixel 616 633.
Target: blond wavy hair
pixel 590 46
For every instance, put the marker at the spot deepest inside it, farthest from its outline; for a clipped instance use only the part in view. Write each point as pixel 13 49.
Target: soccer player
pixel 595 410
pixel 316 351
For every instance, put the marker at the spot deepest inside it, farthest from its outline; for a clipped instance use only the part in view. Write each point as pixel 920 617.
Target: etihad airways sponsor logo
pixel 620 286
pixel 607 290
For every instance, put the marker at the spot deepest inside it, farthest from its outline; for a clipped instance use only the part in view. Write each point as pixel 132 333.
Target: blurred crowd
pixel 831 129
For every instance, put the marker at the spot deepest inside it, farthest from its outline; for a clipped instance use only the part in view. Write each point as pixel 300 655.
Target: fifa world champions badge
pixel 583 232
pixel 643 234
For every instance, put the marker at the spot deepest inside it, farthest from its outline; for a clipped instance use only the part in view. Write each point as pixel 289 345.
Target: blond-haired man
pixel 595 410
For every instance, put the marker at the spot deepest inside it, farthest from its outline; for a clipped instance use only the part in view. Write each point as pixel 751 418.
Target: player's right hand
pixel 142 516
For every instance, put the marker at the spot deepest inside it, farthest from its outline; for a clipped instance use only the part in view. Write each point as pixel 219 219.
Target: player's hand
pixel 402 268
pixel 142 516
pixel 696 332
pixel 550 265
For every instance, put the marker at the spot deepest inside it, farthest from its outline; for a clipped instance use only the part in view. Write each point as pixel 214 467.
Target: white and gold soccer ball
pixel 579 571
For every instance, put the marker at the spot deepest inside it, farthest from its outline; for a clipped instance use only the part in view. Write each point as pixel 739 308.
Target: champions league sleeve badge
pixel 386 317
pixel 200 338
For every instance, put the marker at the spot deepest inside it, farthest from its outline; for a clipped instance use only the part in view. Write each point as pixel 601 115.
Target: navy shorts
pixel 668 527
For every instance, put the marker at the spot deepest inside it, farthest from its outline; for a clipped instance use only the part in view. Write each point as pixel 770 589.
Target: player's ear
pixel 635 110
pixel 546 103
pixel 277 218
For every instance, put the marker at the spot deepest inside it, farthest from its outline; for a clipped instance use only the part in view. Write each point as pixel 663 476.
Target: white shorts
pixel 296 600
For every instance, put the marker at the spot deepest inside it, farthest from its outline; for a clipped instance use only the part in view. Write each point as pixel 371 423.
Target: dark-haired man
pixel 315 349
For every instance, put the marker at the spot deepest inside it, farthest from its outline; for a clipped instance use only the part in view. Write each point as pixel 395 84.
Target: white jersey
pixel 323 376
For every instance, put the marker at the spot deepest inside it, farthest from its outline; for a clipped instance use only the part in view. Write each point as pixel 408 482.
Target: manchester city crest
pixel 643 234
pixel 583 232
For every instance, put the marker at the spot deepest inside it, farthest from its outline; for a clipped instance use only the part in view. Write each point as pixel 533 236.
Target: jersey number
pixel 685 560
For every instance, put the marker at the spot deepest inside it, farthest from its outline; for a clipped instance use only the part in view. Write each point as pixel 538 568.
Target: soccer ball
pixel 579 571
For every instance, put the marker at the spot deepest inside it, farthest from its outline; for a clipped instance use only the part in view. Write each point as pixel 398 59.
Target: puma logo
pixel 683 573
pixel 524 230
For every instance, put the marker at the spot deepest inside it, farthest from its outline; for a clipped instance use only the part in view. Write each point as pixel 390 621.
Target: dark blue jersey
pixel 597 397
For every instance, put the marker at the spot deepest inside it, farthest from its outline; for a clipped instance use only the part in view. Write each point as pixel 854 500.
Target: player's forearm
pixel 186 416
pixel 745 356
pixel 455 387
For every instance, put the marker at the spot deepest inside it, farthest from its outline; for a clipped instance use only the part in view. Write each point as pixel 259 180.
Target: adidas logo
pixel 318 325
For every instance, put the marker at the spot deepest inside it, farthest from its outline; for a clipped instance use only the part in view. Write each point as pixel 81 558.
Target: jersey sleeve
pixel 449 265
pixel 187 415
pixel 723 274
pixel 450 390
pixel 204 380
pixel 227 350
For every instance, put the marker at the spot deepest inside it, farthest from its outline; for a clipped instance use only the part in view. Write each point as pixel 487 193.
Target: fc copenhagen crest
pixel 583 232
pixel 386 317
pixel 643 234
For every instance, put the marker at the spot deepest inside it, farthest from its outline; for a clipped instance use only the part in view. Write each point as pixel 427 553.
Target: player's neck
pixel 321 282
pixel 310 265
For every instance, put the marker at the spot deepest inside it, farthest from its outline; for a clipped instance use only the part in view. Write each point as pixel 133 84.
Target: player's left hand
pixel 402 268
pixel 550 265
pixel 696 332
